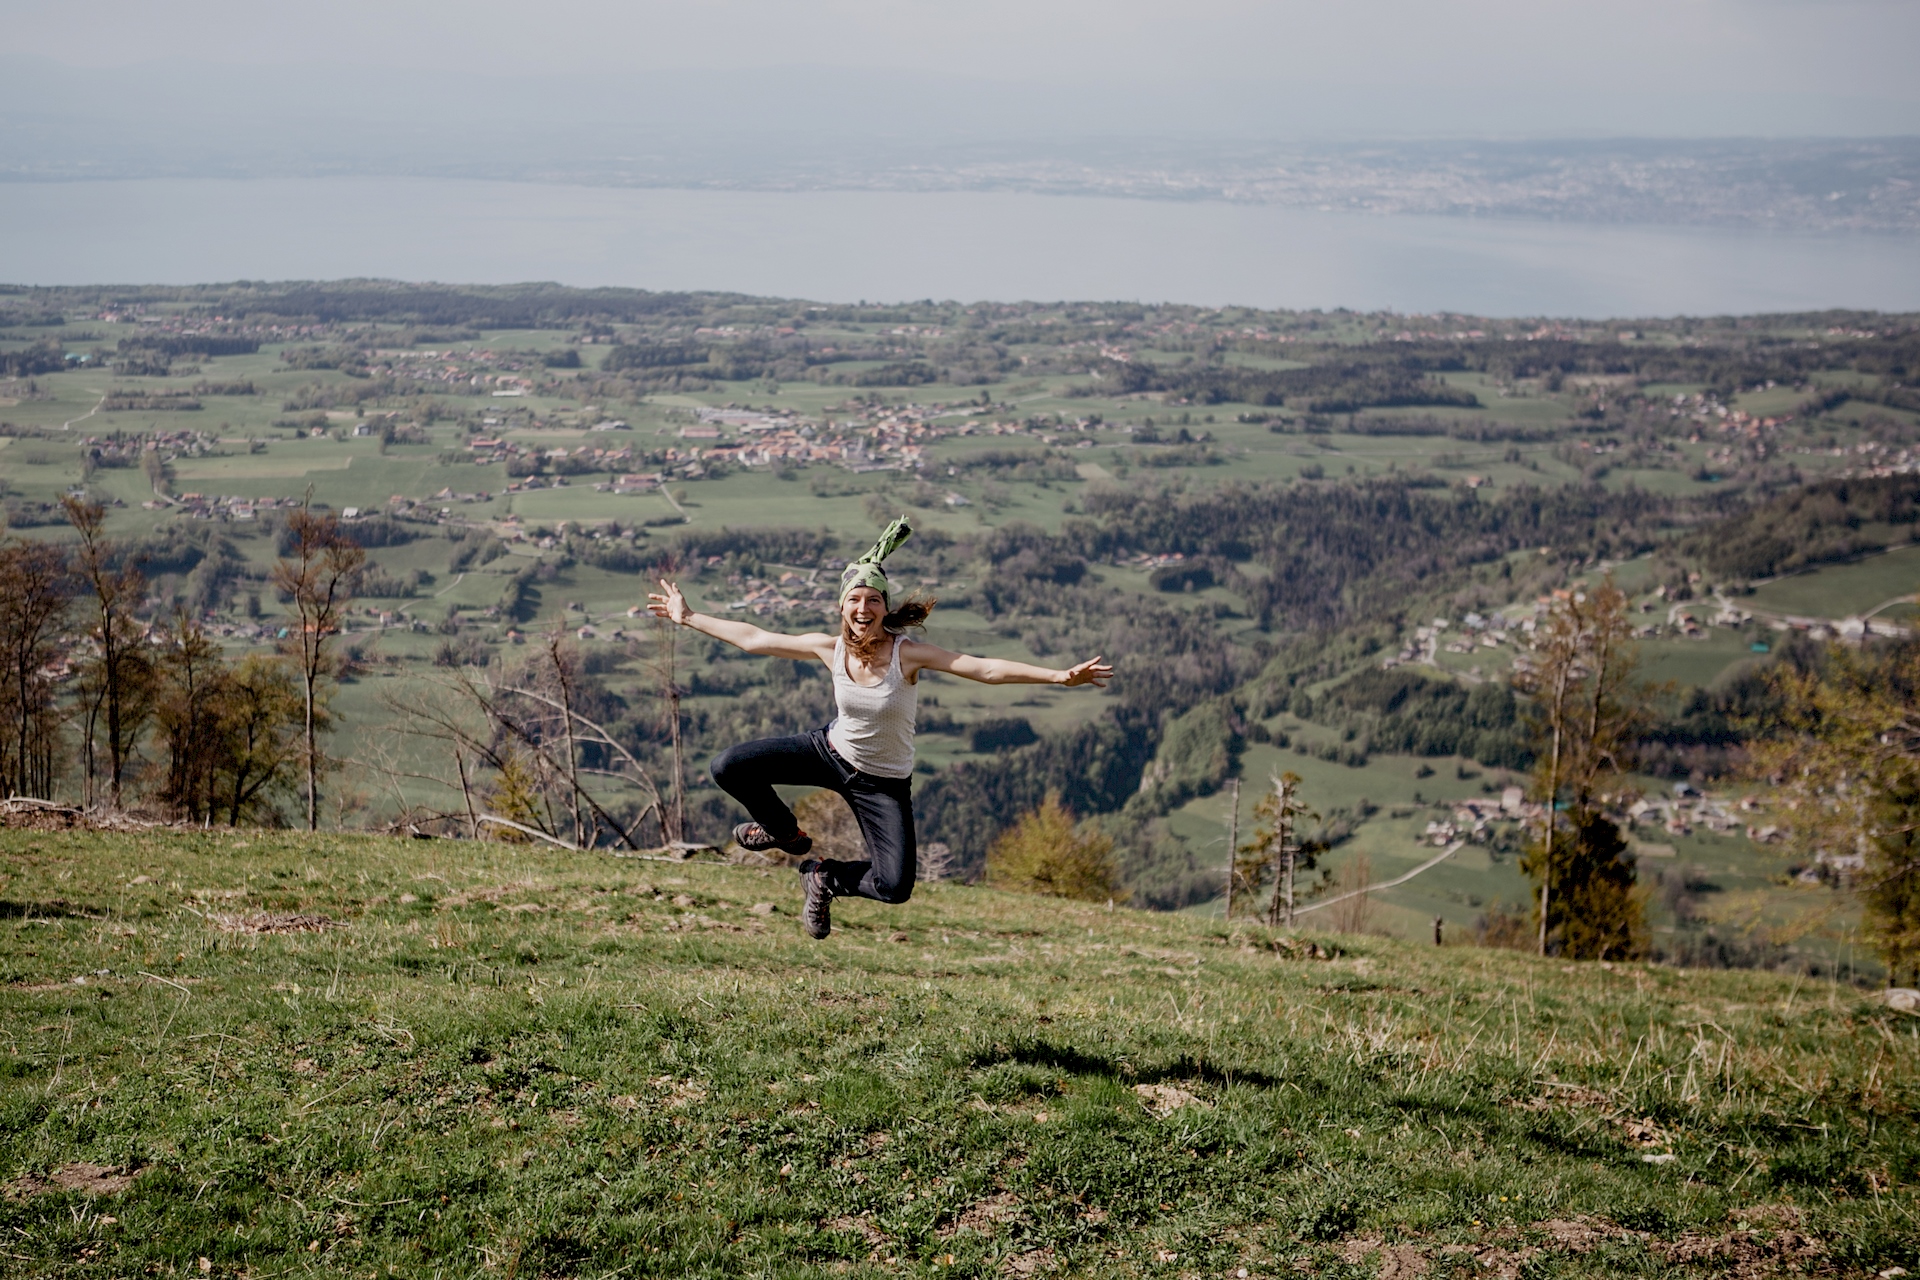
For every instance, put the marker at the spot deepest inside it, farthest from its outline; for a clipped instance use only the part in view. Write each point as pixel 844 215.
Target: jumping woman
pixel 866 753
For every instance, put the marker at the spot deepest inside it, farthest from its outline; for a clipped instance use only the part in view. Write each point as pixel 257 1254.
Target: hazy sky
pixel 1414 66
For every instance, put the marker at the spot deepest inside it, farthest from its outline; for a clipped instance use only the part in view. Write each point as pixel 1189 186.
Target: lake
pixel 890 246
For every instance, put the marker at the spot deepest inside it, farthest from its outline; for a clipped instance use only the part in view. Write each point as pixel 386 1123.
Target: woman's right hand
pixel 672 605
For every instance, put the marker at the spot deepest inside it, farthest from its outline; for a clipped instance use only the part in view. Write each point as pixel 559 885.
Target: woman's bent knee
pixel 722 765
pixel 892 892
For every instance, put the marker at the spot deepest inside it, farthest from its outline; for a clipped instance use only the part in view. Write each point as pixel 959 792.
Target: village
pixel 1678 813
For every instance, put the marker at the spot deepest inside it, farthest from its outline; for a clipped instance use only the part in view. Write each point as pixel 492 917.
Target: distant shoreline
pixel 851 245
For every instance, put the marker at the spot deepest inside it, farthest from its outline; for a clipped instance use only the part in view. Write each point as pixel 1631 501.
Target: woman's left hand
pixel 672 605
pixel 1094 671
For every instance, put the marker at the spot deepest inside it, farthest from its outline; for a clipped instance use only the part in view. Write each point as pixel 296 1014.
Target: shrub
pixel 1508 930
pixel 1181 577
pixel 1047 853
pixel 1002 734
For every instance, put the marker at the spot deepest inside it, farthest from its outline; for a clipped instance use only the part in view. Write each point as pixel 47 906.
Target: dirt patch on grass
pixel 1568 1095
pixel 51 984
pixel 862 1226
pixel 869 999
pixel 679 1093
pixel 1745 1255
pixel 695 920
pixel 1765 1242
pixel 87 1179
pixel 1165 1099
pixel 1033 1262
pixel 1397 1261
pixel 985 1217
pixel 1581 1234
pixel 274 922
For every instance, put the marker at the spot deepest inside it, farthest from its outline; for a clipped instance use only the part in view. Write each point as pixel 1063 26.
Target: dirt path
pixel 68 424
pixel 436 595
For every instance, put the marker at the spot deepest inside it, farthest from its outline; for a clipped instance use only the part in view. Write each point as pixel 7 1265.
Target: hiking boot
pixel 754 838
pixel 817 915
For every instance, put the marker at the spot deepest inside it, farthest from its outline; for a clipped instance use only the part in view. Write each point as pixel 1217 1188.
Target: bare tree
pixel 1275 849
pixel 529 732
pixel 35 595
pixel 455 713
pixel 936 861
pixel 1284 814
pixel 120 678
pixel 317 575
pixel 528 727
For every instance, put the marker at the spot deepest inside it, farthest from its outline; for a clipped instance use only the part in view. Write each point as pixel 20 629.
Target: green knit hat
pixel 866 571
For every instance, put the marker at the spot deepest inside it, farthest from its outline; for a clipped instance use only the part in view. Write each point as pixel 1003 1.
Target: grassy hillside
pixel 267 1055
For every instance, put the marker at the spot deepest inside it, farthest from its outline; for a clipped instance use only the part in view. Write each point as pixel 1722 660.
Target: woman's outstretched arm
pixel 931 657
pixel 741 635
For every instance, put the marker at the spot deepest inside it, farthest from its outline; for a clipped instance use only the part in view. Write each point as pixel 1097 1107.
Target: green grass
pixel 1837 591
pixel 509 1062
pixel 1702 661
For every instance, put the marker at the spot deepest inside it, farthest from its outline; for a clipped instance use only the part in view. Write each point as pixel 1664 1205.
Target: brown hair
pixel 911 613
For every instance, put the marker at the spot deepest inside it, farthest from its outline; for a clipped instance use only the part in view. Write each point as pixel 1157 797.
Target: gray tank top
pixel 873 731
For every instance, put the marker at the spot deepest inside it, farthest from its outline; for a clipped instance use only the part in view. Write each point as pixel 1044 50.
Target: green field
pixel 1841 591
pixel 267 1055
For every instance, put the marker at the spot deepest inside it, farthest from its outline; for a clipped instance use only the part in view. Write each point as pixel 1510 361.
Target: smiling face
pixel 862 611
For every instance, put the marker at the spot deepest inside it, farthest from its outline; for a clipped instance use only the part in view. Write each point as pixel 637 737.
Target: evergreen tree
pixel 1596 910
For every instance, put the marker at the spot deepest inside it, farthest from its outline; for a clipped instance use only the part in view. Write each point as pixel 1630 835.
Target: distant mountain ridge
pixel 796 129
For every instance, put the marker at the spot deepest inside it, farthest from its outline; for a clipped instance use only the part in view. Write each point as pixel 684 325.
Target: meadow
pixel 262 1054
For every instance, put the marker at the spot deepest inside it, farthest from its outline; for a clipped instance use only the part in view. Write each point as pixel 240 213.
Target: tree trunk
pixel 466 792
pixel 679 752
pixel 110 669
pixel 1289 857
pixel 313 764
pixel 673 815
pixel 90 752
pixel 1233 845
pixel 1283 852
pixel 565 682
pixel 1553 799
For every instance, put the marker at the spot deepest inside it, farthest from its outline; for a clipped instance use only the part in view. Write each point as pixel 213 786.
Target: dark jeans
pixel 882 806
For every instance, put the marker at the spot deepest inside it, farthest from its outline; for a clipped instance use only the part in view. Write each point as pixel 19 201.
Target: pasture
pixel 261 1054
